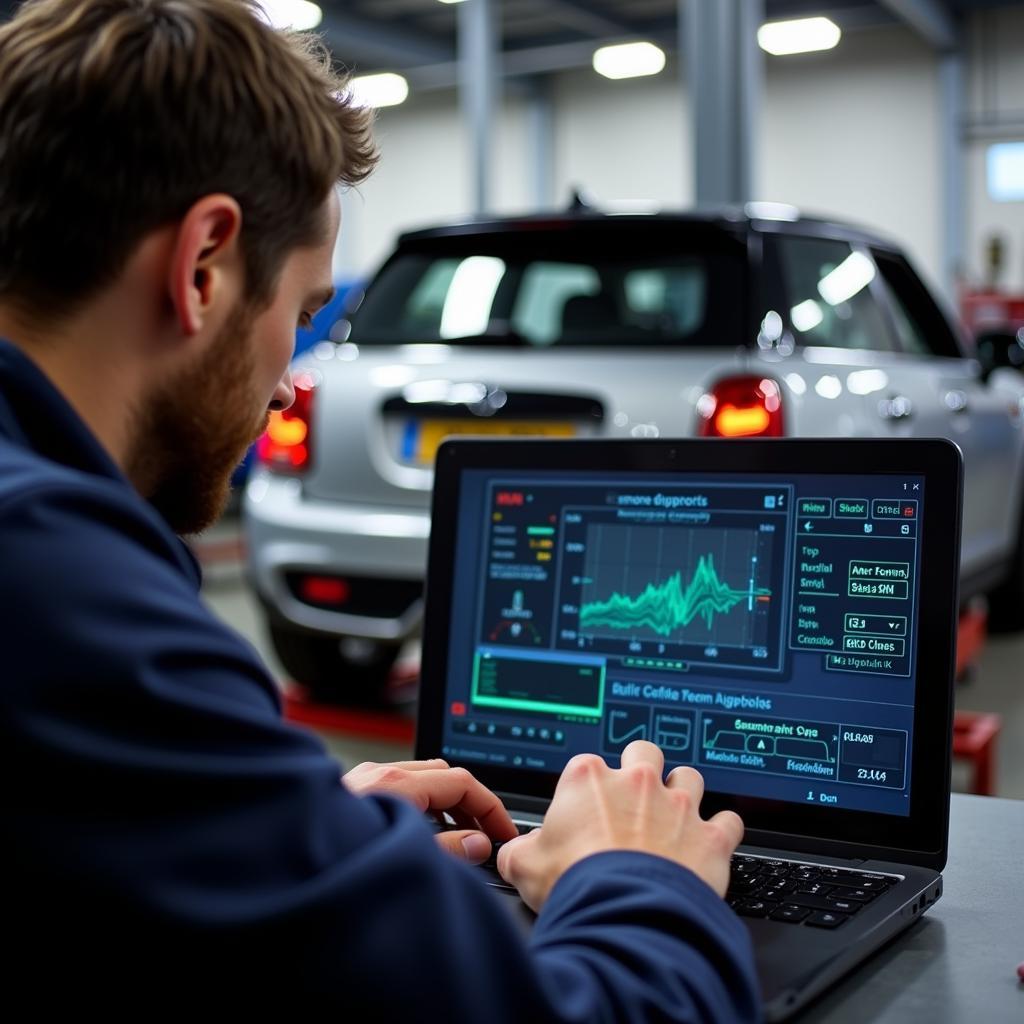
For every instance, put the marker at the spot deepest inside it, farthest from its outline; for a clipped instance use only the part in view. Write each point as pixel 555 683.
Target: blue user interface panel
pixel 761 629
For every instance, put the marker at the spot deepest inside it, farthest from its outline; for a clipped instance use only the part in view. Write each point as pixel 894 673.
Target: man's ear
pixel 206 258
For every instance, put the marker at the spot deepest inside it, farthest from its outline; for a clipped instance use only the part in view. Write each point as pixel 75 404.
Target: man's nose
pixel 284 393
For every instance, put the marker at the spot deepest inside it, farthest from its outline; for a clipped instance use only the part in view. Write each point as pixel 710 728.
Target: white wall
pixel 623 140
pixel 424 177
pixel 853 133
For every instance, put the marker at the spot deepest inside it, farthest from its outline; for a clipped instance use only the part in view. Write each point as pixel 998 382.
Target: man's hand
pixel 597 808
pixel 479 815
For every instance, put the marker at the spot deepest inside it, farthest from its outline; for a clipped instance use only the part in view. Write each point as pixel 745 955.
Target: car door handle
pixel 898 407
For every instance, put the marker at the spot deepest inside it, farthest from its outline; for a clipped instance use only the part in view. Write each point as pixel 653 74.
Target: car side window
pixel 829 295
pixel 920 324
pixel 911 337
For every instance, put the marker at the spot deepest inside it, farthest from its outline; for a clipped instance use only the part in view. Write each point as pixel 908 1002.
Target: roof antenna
pixel 580 200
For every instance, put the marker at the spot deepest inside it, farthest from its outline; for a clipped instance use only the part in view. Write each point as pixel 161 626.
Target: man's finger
pixel 507 850
pixel 731 825
pixel 450 789
pixel 689 779
pixel 642 752
pixel 433 764
pixel 467 844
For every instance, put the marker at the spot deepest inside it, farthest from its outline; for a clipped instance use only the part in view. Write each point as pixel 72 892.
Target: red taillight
pixel 324 590
pixel 286 444
pixel 742 407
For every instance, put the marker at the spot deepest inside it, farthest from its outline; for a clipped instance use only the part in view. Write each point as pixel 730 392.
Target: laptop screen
pixel 760 627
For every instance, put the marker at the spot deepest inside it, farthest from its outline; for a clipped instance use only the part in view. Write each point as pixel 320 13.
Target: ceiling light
pixel 292 15
pixel 383 90
pixel 629 60
pixel 800 36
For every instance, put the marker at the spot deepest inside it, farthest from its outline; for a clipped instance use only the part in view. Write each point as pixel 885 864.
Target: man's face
pixel 195 429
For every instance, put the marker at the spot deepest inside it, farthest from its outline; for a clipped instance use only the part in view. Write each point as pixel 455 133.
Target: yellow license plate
pixel 430 433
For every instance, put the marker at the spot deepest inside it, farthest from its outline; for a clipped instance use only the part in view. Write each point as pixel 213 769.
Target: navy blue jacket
pixel 173 844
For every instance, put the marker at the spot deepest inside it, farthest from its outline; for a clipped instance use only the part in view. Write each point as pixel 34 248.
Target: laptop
pixel 779 614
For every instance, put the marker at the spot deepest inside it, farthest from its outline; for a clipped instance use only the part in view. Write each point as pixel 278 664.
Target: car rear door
pixel 937 390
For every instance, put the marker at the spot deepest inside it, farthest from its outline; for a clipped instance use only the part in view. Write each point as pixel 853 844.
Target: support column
pixel 540 133
pixel 478 53
pixel 723 68
pixel 954 189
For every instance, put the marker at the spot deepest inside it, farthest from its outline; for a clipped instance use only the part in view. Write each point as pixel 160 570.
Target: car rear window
pixel 541 289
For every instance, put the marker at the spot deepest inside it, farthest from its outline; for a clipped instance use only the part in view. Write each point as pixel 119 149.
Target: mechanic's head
pixel 185 150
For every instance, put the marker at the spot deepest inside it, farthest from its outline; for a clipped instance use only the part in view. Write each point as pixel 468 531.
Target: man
pixel 167 217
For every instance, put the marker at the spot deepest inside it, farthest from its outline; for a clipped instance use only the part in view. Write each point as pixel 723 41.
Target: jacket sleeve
pixel 175 840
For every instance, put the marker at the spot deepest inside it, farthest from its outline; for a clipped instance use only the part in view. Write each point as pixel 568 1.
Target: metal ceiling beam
pixel 575 15
pixel 848 18
pixel 929 19
pixel 354 39
pixel 537 60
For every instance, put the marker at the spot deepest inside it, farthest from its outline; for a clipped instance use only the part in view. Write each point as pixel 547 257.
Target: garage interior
pixel 893 128
pixel 735 291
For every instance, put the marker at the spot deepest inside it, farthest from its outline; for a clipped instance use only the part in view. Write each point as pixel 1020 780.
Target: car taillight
pixel 287 443
pixel 330 590
pixel 742 407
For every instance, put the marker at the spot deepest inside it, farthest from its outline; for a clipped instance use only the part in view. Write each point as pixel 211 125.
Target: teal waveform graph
pixel 666 607
pixel 710 587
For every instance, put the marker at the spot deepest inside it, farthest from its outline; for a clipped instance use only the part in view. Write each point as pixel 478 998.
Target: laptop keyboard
pixel 798 893
pixel 792 892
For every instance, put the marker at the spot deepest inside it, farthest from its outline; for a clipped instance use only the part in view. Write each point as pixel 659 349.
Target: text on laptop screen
pixel 759 628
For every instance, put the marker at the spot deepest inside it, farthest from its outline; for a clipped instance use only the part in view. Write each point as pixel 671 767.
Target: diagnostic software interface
pixel 761 629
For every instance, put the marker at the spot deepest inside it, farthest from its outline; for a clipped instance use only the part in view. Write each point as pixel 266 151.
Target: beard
pixel 193 431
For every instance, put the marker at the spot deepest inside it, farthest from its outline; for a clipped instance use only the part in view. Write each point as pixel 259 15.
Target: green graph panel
pixel 668 606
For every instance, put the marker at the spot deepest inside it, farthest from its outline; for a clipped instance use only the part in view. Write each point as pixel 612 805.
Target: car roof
pixel 774 218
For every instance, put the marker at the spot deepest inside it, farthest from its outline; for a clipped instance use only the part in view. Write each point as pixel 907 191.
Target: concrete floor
pixel 997 685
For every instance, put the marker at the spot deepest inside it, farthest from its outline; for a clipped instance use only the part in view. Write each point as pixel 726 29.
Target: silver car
pixel 748 323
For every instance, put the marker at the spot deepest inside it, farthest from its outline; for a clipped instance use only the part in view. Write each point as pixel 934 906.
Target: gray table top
pixel 958 962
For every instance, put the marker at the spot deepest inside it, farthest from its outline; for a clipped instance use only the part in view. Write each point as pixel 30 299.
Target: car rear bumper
pixel 288 534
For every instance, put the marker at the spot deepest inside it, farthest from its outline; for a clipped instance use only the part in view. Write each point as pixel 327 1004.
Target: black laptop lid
pixel 779 614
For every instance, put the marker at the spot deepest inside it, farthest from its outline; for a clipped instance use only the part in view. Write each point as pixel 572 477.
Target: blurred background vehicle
pixel 751 321
pixel 305 338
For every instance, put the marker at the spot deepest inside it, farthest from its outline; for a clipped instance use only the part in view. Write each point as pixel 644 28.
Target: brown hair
pixel 117 115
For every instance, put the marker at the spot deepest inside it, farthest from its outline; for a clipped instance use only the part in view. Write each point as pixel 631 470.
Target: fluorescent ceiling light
pixel 629 60
pixel 467 306
pixel 451 1
pixel 799 36
pixel 383 90
pixel 854 274
pixel 293 15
